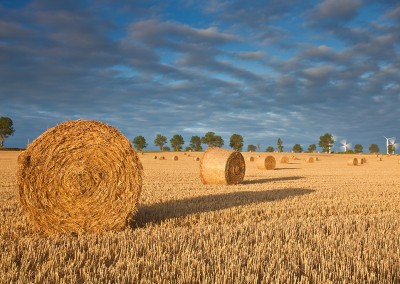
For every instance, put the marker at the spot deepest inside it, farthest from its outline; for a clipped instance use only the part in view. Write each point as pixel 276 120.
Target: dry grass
pixel 304 223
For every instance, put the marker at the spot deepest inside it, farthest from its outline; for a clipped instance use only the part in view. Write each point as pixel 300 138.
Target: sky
pixel 290 69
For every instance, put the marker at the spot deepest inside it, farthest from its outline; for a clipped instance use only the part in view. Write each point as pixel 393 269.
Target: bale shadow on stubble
pixel 264 180
pixel 157 213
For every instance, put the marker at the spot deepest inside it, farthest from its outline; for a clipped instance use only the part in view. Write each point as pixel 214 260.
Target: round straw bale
pixel 379 159
pixel 364 160
pixel 222 166
pixel 175 158
pixel 161 158
pixel 360 161
pixel 316 159
pixel 250 159
pixel 154 157
pixel 284 160
pixel 352 162
pixel 267 163
pixel 196 159
pixel 80 176
pixel 309 160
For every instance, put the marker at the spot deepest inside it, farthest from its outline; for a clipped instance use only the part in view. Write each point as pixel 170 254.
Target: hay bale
pixel 196 159
pixel 379 159
pixel 175 158
pixel 267 163
pixel 161 158
pixel 364 160
pixel 316 159
pixel 155 157
pixel 222 166
pixel 352 162
pixel 360 161
pixel 284 160
pixel 309 160
pixel 80 176
pixel 250 159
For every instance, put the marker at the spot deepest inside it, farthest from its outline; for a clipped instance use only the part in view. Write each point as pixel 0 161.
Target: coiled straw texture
pixel 222 166
pixel 80 176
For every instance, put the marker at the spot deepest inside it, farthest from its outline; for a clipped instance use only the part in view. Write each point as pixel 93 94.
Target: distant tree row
pixel 236 142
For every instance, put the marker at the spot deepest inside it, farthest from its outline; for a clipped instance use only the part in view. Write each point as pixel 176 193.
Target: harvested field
pixel 303 222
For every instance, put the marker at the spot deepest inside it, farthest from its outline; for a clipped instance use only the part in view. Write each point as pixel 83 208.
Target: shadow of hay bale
pixel 160 212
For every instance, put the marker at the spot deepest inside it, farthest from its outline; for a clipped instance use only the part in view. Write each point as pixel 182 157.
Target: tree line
pixel 326 141
pixel 210 139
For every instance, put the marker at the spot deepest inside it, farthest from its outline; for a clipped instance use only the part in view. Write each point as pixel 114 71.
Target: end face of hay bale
pixel 352 162
pixel 80 176
pixel 175 158
pixel 250 159
pixel 161 158
pixel 284 160
pixel 222 166
pixel 267 163
pixel 196 159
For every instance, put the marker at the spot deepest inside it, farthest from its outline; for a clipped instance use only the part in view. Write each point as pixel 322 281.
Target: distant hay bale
pixel 80 176
pixel 309 160
pixel 222 166
pixel 155 157
pixel 185 154
pixel 175 158
pixel 196 159
pixel 161 158
pixel 250 159
pixel 284 160
pixel 316 159
pixel 267 163
pixel 360 161
pixel 352 162
pixel 379 159
pixel 364 160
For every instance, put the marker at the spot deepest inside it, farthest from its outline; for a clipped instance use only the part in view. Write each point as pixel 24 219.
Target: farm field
pixel 321 222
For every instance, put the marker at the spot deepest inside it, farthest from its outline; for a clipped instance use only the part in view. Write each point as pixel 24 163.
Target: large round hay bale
pixel 222 166
pixel 267 163
pixel 360 161
pixel 352 162
pixel 364 160
pixel 284 160
pixel 250 159
pixel 80 176
pixel 175 158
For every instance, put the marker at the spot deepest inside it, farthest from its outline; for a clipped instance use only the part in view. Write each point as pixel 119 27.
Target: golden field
pixel 321 222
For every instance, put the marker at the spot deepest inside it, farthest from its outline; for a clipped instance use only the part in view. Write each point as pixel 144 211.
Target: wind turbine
pixel 389 141
pixel 345 145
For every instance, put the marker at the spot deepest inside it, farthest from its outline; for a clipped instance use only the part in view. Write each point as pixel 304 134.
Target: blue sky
pixel 264 69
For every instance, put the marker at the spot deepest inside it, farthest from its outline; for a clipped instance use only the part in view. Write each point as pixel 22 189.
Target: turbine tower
pixel 389 141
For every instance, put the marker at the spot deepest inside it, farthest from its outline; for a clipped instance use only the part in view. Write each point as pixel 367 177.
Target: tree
pixel 251 148
pixel 297 148
pixel 358 148
pixel 326 142
pixel 269 149
pixel 188 149
pixel 139 142
pixel 6 129
pixel 166 149
pixel 212 140
pixel 177 142
pixel 280 146
pixel 373 148
pixel 312 148
pixel 236 142
pixel 160 140
pixel 391 149
pixel 195 143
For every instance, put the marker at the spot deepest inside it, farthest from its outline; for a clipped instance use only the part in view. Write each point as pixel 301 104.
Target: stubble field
pixel 321 222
